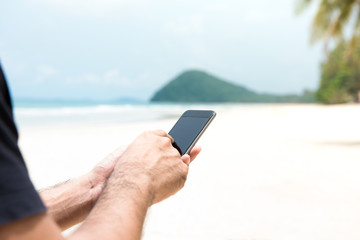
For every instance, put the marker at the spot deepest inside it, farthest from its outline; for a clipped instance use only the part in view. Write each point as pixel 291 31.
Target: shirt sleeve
pixel 18 197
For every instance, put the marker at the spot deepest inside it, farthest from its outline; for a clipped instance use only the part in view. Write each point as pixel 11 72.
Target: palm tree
pixel 332 17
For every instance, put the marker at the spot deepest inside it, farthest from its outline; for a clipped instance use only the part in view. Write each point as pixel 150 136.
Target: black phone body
pixel 189 128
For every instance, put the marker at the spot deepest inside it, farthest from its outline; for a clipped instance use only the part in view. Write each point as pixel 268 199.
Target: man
pixel 112 199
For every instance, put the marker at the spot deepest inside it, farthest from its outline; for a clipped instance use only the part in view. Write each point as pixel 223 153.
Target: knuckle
pixel 167 141
pixel 162 132
pixel 148 133
pixel 183 180
pixel 175 152
pixel 184 174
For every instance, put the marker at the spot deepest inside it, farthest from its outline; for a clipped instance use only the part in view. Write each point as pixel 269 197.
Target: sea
pixel 58 112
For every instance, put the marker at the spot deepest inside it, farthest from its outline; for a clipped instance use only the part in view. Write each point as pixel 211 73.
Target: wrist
pixel 70 202
pixel 124 200
pixel 130 177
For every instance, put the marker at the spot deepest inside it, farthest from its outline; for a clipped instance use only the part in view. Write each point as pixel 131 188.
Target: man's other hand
pixel 154 165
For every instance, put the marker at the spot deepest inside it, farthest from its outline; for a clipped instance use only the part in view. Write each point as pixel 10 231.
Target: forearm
pixel 116 215
pixel 69 203
pixel 120 211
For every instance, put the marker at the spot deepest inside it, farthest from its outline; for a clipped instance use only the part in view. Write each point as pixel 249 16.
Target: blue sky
pixel 109 49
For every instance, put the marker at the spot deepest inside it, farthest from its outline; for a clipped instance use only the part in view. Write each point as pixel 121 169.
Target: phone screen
pixel 186 131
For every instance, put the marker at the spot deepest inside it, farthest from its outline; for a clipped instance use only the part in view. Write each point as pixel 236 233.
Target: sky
pixel 111 49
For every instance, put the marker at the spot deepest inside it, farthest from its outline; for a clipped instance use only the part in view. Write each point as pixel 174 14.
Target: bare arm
pixel 70 202
pixel 149 171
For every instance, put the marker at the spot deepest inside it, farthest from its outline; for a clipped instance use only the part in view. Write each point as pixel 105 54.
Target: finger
pixel 119 151
pixel 186 159
pixel 107 163
pixel 162 133
pixel 106 166
pixel 111 159
pixel 194 153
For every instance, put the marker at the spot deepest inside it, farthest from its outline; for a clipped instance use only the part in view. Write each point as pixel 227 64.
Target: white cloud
pixel 94 8
pixel 186 26
pixel 44 73
pixel 108 78
pixel 46 70
pixel 112 77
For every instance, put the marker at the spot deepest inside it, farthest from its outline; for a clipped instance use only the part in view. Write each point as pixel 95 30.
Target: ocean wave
pixel 98 109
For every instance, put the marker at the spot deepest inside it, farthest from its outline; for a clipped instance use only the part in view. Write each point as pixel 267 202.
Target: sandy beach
pixel 266 172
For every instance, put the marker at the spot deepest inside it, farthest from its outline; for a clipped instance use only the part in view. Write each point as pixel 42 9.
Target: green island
pixel 198 86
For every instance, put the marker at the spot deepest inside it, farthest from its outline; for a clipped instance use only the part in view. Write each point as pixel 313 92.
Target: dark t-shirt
pixel 18 197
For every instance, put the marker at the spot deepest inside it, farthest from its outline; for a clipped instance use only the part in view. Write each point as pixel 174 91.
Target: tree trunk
pixel 358 97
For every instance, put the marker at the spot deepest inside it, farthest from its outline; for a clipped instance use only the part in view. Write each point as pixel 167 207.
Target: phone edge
pixel 201 133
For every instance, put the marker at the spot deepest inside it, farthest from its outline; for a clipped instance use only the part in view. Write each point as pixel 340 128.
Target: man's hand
pixel 151 162
pixel 101 172
pixel 70 203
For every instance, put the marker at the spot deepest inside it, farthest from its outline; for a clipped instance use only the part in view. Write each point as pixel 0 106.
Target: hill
pixel 198 86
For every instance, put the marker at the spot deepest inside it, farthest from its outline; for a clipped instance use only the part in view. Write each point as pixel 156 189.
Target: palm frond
pixel 301 5
pixel 331 18
pixel 322 21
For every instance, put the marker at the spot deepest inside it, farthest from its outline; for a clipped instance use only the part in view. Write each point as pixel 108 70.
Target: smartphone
pixel 189 128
